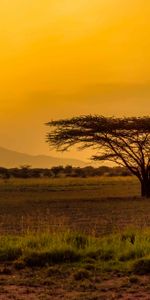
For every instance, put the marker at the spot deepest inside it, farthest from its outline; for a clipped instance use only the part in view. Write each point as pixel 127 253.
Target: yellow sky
pixel 60 58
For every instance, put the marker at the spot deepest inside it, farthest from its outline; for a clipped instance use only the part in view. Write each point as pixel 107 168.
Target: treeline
pixel 60 171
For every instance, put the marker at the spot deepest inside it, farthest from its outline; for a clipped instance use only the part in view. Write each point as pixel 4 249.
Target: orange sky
pixel 61 58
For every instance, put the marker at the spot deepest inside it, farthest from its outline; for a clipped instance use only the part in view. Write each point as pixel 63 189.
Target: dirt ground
pixel 68 284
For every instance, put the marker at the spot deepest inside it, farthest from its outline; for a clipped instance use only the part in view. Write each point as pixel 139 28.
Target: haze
pixel 63 58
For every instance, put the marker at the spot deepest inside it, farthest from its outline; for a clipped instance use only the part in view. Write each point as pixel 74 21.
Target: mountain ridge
pixel 11 158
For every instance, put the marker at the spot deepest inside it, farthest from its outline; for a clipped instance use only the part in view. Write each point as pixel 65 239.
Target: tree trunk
pixel 145 188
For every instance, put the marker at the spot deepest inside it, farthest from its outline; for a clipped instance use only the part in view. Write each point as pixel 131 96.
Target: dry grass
pixel 92 205
pixel 107 186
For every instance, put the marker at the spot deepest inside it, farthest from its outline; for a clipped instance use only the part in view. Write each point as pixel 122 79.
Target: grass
pixel 114 252
pixel 72 236
pixel 53 208
pixel 107 185
pixel 101 205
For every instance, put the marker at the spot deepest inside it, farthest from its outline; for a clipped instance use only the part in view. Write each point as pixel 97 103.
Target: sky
pixel 62 58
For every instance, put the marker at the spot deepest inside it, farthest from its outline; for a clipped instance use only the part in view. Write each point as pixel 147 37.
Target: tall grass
pixel 45 249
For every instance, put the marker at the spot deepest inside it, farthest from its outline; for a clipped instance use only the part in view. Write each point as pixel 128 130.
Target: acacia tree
pixel 124 141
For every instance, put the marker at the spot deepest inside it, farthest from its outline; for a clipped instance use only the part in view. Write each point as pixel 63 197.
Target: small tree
pixel 57 170
pixel 123 141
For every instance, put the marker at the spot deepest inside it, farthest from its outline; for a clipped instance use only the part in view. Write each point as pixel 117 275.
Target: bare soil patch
pixel 60 283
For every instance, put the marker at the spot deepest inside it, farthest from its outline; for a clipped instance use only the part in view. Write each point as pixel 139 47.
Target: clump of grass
pixel 82 274
pixel 19 265
pixel 52 256
pixel 79 241
pixel 52 270
pixel 10 249
pixel 134 279
pixel 142 266
pixel 113 252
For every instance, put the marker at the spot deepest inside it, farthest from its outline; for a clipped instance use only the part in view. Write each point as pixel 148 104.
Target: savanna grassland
pixel 94 205
pixel 74 238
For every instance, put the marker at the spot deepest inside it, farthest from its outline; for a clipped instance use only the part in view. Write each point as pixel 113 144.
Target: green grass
pixel 114 252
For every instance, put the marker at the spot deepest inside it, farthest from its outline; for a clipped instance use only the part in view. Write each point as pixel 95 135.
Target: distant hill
pixel 10 159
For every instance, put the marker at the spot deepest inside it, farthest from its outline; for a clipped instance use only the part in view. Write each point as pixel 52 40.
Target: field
pixel 45 218
pixel 89 204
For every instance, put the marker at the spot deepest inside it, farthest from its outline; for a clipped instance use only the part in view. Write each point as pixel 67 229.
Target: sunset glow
pixel 61 58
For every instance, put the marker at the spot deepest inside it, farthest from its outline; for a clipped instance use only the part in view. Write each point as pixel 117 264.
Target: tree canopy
pixel 124 141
